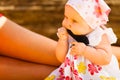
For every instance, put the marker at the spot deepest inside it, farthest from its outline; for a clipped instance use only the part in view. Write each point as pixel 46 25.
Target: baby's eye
pixel 74 21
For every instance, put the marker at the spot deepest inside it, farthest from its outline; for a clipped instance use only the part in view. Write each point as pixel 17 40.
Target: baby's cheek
pixel 65 24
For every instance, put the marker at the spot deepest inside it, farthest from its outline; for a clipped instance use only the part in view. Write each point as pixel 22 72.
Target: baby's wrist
pixel 63 39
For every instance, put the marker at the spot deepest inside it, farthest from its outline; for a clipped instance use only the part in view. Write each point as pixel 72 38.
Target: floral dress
pixel 80 68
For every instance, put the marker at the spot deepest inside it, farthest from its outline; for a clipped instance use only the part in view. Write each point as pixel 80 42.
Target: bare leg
pixel 18 42
pixel 11 69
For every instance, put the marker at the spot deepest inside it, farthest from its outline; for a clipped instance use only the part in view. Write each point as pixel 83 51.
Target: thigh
pixel 14 69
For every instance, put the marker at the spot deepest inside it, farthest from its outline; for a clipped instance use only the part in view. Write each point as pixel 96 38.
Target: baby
pixel 84 45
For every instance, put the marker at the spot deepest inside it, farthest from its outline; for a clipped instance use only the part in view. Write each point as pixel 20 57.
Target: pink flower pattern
pixel 75 72
pixel 75 57
pixel 72 66
pixel 61 78
pixel 67 61
pixel 61 71
pixel 92 68
pixel 97 11
pixel 78 78
pixel 68 78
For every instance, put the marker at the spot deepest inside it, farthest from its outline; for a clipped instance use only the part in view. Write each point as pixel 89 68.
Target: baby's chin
pixel 75 33
pixel 79 33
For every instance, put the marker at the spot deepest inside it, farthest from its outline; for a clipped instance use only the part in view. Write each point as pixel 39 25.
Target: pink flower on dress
pixel 99 67
pixel 68 78
pixel 75 57
pixel 75 72
pixel 61 78
pixel 67 61
pixel 78 78
pixel 61 70
pixel 92 69
pixel 72 66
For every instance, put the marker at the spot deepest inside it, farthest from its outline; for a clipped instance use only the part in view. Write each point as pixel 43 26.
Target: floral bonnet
pixel 94 12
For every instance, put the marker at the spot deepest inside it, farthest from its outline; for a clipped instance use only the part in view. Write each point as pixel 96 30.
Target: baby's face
pixel 74 22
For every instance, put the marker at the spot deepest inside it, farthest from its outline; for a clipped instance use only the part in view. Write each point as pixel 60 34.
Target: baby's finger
pixel 73 52
pixel 61 30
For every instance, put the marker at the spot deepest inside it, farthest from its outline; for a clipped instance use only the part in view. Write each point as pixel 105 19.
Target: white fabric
pixel 95 36
pixel 112 37
pixel 94 12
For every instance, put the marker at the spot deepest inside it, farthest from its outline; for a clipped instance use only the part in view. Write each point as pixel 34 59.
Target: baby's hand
pixel 78 48
pixel 62 33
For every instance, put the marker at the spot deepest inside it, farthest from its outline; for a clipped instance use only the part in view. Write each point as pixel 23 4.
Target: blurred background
pixel 45 16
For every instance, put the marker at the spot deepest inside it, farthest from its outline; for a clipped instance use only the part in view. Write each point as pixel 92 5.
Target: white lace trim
pixel 112 37
pixel 96 36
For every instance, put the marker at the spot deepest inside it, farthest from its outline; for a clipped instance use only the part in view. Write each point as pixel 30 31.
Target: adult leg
pixel 18 42
pixel 13 69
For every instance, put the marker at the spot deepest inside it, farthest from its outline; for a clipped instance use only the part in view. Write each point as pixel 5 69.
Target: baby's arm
pixel 62 45
pixel 100 54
